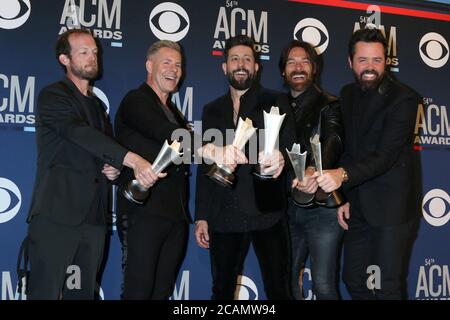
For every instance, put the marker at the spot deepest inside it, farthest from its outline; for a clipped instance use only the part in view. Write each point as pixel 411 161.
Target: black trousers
pixel 376 259
pixel 52 249
pixel 228 252
pixel 153 250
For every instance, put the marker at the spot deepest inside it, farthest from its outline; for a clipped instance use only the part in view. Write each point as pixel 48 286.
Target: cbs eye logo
pixel 169 21
pixel 10 200
pixel 436 207
pixel 314 32
pixel 14 13
pixel 433 49
pixel 246 289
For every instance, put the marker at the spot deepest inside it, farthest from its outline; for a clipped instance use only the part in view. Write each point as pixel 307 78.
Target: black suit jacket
pixel 71 153
pixel 255 197
pixel 142 126
pixel 378 153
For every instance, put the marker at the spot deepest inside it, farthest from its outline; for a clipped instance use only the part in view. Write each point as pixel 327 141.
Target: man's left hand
pixel 330 180
pixel 110 172
pixel 272 162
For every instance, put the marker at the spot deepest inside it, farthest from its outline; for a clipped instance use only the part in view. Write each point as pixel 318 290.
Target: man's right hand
pixel 228 155
pixel 142 169
pixel 201 233
pixel 343 212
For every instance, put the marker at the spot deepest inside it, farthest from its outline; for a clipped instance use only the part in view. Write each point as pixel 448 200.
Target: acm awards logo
pixel 434 50
pixel 10 200
pixel 181 289
pixel 102 17
pixel 169 21
pixel 17 100
pixel 10 289
pixel 432 130
pixel 436 207
pixel 14 13
pixel 246 289
pixel 433 281
pixel 373 20
pixel 233 20
pixel 314 32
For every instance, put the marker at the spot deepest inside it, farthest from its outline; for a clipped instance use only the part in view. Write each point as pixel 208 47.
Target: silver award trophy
pixel 330 200
pixel 272 124
pixel 135 192
pixel 221 173
pixel 298 161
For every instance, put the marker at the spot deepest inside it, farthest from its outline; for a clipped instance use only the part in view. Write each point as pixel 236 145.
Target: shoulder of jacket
pixel 216 103
pixel 397 90
pixel 347 89
pixel 329 98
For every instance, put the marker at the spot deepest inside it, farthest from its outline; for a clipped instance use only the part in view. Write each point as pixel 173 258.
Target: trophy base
pixel 301 199
pixel 134 192
pixel 260 175
pixel 333 199
pixel 221 175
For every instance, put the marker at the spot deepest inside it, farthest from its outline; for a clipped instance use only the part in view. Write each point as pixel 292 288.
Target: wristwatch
pixel 344 175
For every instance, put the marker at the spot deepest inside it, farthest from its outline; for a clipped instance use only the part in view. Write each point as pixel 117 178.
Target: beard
pixel 369 84
pixel 298 86
pixel 240 84
pixel 84 73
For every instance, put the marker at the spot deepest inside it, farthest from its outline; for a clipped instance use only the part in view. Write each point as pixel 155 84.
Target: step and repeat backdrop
pixel 418 34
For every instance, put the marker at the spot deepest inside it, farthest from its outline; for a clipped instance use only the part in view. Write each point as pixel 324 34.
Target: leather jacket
pixel 318 111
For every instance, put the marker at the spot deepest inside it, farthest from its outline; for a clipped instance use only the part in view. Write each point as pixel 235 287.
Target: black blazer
pixel 142 126
pixel 71 153
pixel 379 156
pixel 254 197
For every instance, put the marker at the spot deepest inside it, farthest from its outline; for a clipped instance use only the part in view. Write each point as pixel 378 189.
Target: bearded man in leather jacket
pixel 314 228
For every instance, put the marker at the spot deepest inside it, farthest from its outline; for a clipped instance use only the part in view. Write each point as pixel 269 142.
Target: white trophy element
pixel 332 199
pixel 298 161
pixel 272 125
pixel 317 153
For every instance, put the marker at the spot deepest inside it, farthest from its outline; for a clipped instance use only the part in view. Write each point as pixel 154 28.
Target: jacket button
pixel 96 180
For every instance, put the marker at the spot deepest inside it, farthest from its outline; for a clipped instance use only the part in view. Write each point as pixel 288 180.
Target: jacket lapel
pixel 374 108
pixel 157 106
pixel 81 107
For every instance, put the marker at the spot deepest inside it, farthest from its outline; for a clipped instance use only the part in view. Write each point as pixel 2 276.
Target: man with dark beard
pixel 313 228
pixel 76 158
pixel 377 173
pixel 228 220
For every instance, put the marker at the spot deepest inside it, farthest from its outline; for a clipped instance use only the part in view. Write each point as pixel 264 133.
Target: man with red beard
pixel 377 172
pixel 76 158
pixel 313 227
pixel 228 220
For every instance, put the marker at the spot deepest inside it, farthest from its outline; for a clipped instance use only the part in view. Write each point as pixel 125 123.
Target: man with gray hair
pixel 154 235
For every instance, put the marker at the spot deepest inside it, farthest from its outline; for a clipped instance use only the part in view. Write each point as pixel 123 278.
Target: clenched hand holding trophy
pixel 135 192
pixel 223 174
